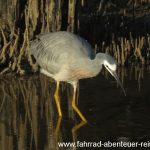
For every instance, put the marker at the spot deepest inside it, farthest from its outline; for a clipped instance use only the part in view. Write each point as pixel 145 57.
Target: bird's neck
pixel 94 66
pixel 98 62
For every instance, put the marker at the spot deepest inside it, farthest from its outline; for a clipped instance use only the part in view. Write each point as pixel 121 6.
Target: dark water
pixel 28 116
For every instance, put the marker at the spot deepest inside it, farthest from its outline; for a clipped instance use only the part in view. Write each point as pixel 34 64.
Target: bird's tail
pixel 33 46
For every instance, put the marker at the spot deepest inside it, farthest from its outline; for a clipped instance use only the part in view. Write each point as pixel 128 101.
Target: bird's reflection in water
pixel 28 116
pixel 29 119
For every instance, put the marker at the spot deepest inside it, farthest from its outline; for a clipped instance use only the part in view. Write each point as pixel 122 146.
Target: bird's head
pixel 111 65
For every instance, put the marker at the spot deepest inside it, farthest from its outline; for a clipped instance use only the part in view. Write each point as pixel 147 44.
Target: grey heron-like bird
pixel 67 57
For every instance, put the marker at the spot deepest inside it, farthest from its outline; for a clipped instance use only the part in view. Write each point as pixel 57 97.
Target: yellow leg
pixel 57 99
pixel 74 103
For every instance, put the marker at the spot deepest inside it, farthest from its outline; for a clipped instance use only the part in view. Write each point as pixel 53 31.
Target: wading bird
pixel 67 57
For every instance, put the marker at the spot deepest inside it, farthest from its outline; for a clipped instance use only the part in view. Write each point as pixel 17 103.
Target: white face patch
pixel 113 67
pixel 109 66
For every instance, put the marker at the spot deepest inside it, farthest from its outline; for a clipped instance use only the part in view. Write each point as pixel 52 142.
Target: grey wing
pixel 69 43
pixel 47 56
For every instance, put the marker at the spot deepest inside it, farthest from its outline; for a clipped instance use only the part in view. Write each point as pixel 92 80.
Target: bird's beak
pixel 114 74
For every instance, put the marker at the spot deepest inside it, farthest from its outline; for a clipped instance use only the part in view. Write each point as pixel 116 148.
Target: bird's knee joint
pixel 56 94
pixel 73 104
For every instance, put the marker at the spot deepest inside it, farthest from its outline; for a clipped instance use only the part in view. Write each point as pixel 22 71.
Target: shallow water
pixel 28 116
